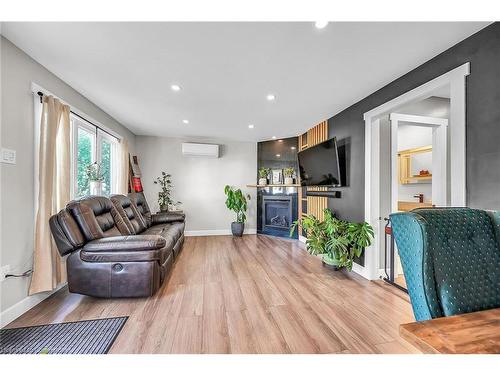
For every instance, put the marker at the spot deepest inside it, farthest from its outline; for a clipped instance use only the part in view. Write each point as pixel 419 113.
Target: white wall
pixel 199 182
pixel 18 70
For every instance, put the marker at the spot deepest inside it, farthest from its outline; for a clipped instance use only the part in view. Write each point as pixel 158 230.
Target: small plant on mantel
pixel 339 241
pixel 164 196
pixel 288 174
pixel 263 173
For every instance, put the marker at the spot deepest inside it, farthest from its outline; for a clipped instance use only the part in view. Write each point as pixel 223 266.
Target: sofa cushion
pixel 97 217
pixel 66 233
pixel 466 258
pixel 129 213
pixel 173 230
pixel 142 206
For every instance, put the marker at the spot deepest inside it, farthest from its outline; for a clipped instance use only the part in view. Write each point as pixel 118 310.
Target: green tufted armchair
pixel 450 258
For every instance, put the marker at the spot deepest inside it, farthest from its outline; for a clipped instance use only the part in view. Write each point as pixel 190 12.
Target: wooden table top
pixel 477 332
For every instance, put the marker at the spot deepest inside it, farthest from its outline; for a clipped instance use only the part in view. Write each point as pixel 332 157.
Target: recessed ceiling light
pixel 273 137
pixel 175 88
pixel 250 126
pixel 185 121
pixel 293 147
pixel 278 155
pixel 320 24
pixel 280 140
pixel 270 97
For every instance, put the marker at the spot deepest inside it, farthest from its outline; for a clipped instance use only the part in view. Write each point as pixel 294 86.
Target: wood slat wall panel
pixel 315 135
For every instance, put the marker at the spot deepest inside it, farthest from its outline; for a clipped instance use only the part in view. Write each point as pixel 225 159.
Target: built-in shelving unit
pixel 273 185
pixel 404 164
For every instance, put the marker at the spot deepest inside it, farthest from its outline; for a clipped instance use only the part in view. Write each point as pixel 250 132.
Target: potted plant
pixel 288 173
pixel 338 241
pixel 263 174
pixel 96 176
pixel 164 196
pixel 237 201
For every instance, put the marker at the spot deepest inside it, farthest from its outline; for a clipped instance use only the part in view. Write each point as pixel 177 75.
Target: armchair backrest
pixel 450 258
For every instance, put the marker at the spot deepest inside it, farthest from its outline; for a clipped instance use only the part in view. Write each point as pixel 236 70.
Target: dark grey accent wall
pixel 482 50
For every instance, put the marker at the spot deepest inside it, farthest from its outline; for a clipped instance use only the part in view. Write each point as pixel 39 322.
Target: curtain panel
pixel 54 166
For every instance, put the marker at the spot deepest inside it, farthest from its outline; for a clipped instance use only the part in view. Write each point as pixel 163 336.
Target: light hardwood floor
pixel 255 294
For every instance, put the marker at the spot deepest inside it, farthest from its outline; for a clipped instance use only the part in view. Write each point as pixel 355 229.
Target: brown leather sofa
pixel 116 249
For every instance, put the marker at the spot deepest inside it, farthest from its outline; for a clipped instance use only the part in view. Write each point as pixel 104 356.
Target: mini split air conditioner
pixel 200 150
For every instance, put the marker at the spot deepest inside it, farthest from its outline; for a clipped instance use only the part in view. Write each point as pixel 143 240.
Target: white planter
pixel 288 180
pixel 95 187
pixel 262 181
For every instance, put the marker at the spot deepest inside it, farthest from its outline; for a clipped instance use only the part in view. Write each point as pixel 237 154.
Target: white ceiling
pixel 227 69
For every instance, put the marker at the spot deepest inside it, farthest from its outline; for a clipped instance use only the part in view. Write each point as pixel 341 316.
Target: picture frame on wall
pixel 277 176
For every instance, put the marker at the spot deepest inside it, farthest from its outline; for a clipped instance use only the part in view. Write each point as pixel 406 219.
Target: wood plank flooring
pixel 255 294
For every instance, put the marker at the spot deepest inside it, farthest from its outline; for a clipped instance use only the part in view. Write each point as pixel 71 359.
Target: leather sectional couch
pixel 116 246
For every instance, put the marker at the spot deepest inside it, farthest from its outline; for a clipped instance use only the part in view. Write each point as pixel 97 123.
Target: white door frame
pixel 439 155
pixel 456 79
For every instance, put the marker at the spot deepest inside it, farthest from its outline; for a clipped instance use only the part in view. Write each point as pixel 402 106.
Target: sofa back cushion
pixel 97 217
pixel 66 232
pixel 465 257
pixel 129 213
pixel 142 206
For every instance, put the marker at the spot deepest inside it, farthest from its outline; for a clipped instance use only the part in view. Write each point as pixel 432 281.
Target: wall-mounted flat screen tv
pixel 319 165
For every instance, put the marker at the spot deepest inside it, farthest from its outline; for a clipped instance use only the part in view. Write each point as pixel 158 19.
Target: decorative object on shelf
pixel 263 174
pixel 164 196
pixel 405 159
pixel 288 173
pixel 277 176
pixel 96 176
pixel 339 241
pixel 237 201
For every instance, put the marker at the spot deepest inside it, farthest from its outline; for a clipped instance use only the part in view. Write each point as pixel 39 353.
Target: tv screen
pixel 319 165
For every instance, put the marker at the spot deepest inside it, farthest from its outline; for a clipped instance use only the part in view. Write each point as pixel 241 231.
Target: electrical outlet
pixel 8 156
pixel 4 271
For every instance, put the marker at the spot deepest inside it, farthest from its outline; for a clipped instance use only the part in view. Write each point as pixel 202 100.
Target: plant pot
pixel 237 228
pixel 164 208
pixel 288 180
pixel 331 262
pixel 95 187
pixel 262 181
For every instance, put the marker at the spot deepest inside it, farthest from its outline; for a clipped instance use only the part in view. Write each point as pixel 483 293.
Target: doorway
pixel 378 180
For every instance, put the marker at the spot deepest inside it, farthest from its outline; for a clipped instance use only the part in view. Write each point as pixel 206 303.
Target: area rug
pixel 82 337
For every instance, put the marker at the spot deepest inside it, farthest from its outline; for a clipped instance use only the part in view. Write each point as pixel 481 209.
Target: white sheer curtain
pixel 54 166
pixel 123 167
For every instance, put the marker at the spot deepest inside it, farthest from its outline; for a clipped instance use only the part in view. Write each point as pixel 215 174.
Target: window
pixel 91 144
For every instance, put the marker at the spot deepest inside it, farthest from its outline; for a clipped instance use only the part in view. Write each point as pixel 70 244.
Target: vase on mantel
pixel 95 187
pixel 262 181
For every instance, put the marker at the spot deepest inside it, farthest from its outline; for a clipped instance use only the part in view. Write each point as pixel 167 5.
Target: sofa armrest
pixel 126 243
pixel 410 232
pixel 166 217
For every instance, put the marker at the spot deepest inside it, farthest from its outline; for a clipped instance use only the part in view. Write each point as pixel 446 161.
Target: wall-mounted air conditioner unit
pixel 200 150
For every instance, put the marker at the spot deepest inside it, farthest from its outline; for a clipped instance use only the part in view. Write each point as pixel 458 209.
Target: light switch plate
pixel 8 156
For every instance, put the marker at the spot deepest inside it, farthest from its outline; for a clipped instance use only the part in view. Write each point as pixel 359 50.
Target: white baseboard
pixel 215 232
pixel 15 311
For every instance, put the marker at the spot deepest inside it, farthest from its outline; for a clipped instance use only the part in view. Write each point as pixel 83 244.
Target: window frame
pixel 77 122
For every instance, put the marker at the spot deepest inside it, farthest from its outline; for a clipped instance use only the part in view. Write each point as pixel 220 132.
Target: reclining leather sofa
pixel 116 248
pixel 450 258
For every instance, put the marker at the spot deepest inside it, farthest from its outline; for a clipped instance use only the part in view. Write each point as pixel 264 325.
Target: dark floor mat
pixel 83 337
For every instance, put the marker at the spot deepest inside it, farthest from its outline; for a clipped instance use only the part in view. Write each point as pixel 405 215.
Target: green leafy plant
pixel 94 172
pixel 339 241
pixel 165 195
pixel 289 172
pixel 264 172
pixel 237 201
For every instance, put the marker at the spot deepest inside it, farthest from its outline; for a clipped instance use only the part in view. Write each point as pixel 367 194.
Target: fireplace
pixel 277 214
